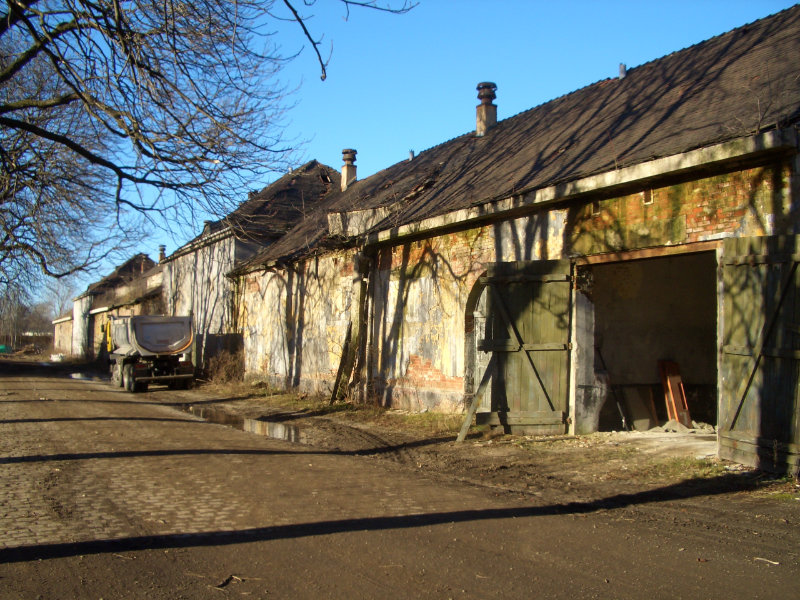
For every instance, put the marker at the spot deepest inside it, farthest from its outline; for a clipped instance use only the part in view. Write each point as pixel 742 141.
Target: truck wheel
pixel 127 378
pixel 116 374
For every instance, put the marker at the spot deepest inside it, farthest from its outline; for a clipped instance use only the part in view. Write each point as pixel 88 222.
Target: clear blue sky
pixel 400 83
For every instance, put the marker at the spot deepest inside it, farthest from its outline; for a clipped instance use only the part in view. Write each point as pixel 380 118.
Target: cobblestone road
pixel 88 473
pixel 130 468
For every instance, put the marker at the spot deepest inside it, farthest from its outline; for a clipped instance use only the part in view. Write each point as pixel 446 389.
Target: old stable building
pixel 195 282
pixel 617 257
pixel 546 267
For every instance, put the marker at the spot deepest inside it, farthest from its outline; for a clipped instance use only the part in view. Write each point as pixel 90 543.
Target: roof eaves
pixel 773 141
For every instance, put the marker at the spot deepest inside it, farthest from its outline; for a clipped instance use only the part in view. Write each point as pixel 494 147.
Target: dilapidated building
pixel 133 288
pixel 542 267
pixel 195 281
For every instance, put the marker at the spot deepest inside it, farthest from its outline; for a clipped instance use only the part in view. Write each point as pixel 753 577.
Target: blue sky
pixel 400 83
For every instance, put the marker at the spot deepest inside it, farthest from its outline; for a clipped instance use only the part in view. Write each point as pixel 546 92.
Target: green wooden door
pixel 527 332
pixel 758 409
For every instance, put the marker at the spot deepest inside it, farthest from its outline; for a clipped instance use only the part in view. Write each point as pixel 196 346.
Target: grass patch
pixel 785 496
pixel 683 468
pixel 427 422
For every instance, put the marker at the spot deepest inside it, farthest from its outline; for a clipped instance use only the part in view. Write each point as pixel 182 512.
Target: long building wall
pixel 421 302
pixel 421 295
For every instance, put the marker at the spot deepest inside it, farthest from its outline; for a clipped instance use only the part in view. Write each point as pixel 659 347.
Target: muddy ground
pixel 107 495
pixel 595 467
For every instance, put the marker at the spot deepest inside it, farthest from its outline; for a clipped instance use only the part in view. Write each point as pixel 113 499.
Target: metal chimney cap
pixel 349 155
pixel 486 92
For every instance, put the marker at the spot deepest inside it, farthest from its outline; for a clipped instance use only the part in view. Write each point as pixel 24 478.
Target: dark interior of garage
pixel 636 314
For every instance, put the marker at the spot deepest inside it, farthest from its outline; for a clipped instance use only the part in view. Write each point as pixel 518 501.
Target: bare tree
pixel 60 294
pixel 118 112
pixel 13 307
pixel 54 203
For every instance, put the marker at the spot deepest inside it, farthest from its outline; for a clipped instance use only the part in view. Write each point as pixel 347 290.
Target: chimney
pixel 162 253
pixel 349 167
pixel 486 111
pixel 623 70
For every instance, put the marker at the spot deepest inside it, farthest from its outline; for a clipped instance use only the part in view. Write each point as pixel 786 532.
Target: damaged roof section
pixel 272 212
pixel 735 85
pixel 131 269
pixel 135 279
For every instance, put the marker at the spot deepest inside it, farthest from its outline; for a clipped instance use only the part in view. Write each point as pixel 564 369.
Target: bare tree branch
pixel 117 114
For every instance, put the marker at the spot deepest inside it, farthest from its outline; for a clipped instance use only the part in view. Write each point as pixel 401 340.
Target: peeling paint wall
pixel 80 326
pixel 294 322
pixel 195 284
pixel 754 202
pixel 62 338
pixel 422 331
pixel 421 314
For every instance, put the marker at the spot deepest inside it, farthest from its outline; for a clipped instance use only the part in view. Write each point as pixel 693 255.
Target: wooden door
pixel 527 333
pixel 758 409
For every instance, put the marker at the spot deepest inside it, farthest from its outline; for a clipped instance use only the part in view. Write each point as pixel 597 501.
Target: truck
pixel 147 349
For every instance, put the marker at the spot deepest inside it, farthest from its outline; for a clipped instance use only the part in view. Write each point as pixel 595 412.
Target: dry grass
pixel 226 367
pixel 682 468
pixel 426 423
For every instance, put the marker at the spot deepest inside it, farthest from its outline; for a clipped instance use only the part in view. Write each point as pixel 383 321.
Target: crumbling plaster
pixel 420 306
pixel 195 284
pixel 294 321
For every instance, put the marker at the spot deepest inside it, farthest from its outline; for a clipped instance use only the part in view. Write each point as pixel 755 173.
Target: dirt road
pixel 105 494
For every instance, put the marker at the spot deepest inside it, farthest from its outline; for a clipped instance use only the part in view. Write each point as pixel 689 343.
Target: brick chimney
pixel 162 253
pixel 486 111
pixel 349 167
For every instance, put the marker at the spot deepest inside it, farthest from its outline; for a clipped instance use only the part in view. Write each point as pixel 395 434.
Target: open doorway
pixel 631 316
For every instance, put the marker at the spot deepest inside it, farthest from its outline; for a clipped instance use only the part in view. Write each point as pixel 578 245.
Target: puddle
pixel 278 431
pixel 215 415
pixel 273 429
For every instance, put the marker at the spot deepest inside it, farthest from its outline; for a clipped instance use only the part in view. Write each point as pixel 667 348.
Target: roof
pixel 273 211
pixel 730 86
pixel 129 270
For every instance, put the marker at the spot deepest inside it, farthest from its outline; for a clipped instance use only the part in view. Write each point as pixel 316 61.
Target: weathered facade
pixel 133 288
pixel 535 266
pixel 195 282
pixel 294 321
pixel 62 335
pixel 196 286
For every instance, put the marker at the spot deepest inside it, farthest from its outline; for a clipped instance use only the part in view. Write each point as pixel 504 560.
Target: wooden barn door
pixel 527 333
pixel 758 410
